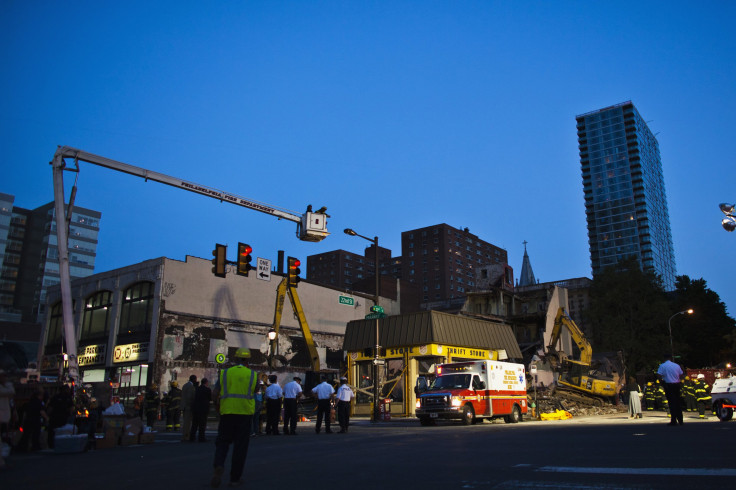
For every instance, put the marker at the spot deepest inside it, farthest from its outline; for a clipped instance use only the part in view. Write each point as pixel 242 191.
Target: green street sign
pixel 375 316
pixel 346 300
pixel 377 309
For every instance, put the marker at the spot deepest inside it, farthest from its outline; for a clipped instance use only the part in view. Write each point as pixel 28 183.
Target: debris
pixel 551 403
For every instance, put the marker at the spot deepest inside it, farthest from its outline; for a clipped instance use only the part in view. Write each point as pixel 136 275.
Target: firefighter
pixel 688 388
pixel 151 403
pixel 173 413
pixel 702 394
pixel 649 396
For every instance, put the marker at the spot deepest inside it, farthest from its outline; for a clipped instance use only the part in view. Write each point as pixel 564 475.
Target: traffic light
pixel 220 260
pixel 292 275
pixel 244 259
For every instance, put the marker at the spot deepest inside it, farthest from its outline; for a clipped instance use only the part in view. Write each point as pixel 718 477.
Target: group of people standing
pixel 184 409
pixel 670 393
pixel 239 394
pixel 274 395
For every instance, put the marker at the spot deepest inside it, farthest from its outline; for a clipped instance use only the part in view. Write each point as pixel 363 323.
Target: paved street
pixel 593 452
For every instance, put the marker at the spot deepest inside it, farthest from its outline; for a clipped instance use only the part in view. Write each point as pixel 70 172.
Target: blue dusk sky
pixel 395 115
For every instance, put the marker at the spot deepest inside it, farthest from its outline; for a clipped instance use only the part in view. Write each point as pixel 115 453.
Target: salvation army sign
pixel 131 352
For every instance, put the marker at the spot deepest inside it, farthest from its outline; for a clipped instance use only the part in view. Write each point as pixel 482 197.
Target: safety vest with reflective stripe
pixel 237 389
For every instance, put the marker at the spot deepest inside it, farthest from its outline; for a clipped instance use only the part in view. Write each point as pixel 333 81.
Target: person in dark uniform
pixel 200 410
pixel 173 411
pixel 33 412
pixel 151 404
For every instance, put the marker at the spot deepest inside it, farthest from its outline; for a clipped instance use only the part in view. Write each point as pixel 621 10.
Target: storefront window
pixel 96 316
pixel 365 382
pixel 393 384
pixel 136 312
pixel 93 375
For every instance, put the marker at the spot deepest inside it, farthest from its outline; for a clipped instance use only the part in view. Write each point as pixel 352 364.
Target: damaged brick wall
pixel 187 345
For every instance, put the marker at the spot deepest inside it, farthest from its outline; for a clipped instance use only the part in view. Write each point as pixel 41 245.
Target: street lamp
pixel 729 222
pixel 376 383
pixel 271 338
pixel 669 324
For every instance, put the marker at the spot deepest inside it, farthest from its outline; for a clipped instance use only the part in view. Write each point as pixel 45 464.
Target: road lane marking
pixel 642 471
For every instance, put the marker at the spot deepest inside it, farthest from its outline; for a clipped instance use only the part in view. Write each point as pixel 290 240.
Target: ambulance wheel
pixel 468 415
pixel 426 421
pixel 724 414
pixel 515 415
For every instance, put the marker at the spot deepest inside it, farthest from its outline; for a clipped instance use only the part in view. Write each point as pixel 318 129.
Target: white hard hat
pixel 701 376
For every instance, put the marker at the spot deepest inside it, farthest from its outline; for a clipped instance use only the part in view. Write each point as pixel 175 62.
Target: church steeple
pixel 527 275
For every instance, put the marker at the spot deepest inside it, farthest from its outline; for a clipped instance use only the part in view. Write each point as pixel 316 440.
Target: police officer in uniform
pixel 344 396
pixel 234 394
pixel 292 392
pixel 325 392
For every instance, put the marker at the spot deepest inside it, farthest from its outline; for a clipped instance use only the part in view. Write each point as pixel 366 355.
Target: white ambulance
pixel 472 391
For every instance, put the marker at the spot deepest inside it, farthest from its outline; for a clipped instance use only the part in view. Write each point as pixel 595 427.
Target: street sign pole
pixel 376 314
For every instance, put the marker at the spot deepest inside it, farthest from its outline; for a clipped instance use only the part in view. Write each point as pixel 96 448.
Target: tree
pixel 628 311
pixel 705 338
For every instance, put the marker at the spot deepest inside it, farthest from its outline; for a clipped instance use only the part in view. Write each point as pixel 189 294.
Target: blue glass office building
pixel 625 200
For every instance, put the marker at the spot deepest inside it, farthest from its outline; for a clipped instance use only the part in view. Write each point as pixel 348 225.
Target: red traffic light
pixel 292 274
pixel 244 259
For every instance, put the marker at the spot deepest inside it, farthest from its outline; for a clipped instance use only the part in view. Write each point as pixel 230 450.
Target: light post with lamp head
pixel 729 222
pixel 689 311
pixel 376 296
pixel 271 338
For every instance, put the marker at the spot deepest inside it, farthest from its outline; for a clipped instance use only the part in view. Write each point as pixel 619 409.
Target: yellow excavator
pixel 578 376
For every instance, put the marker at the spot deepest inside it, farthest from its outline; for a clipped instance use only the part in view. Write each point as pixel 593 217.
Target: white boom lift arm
pixel 310 226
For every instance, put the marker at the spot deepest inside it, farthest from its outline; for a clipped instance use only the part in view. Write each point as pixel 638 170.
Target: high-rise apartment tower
pixel 625 200
pixel 30 258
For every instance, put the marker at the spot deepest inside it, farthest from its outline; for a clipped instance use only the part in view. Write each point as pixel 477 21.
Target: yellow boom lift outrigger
pixel 281 292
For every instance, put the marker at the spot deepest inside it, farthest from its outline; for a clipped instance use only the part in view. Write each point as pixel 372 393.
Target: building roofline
pixel 621 104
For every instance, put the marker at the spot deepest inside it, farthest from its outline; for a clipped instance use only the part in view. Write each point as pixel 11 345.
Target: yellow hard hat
pixel 174 384
pixel 649 384
pixel 243 353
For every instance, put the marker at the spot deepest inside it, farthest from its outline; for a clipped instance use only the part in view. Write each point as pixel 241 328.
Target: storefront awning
pixel 431 327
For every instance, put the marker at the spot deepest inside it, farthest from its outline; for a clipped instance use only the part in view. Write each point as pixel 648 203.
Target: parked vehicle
pixel 472 391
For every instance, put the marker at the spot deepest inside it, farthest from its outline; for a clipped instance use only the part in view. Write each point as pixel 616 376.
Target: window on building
pixel 96 315
pixel 136 312
pixel 56 325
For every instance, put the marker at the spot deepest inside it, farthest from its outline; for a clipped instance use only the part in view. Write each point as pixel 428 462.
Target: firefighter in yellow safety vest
pixel 234 394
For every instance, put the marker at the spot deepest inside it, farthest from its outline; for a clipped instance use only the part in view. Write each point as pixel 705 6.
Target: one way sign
pixel 264 269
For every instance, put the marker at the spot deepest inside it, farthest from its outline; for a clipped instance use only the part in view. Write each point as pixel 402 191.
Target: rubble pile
pixel 549 402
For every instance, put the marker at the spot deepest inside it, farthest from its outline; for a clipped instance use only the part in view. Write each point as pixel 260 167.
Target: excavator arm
pixel 563 320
